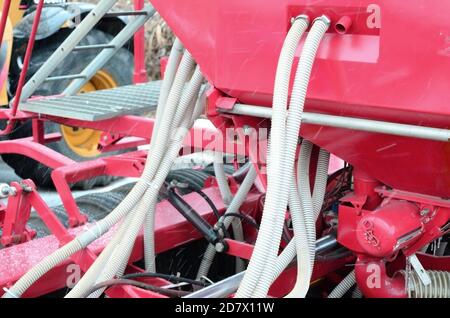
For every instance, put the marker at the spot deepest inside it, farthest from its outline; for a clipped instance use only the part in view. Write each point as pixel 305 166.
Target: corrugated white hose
pixel 297 102
pixel 276 196
pixel 83 239
pixel 227 196
pixel 298 97
pixel 344 286
pixel 222 180
pixel 300 232
pixel 296 107
pixel 357 293
pixel 180 78
pixel 308 220
pixel 108 251
pixel 234 206
pixel 304 193
pixel 289 252
pixel 169 75
pixel 320 183
pixel 147 206
pixel 188 98
pixel 95 269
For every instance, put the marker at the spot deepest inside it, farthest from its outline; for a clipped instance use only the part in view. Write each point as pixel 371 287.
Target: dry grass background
pixel 159 38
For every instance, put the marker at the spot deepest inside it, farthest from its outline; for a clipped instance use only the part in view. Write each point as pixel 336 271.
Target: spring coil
pixel 438 288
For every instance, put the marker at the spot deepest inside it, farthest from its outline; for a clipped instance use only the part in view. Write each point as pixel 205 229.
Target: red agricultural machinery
pixel 331 147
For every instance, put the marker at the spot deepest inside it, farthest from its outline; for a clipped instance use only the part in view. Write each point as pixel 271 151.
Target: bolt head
pixel 220 247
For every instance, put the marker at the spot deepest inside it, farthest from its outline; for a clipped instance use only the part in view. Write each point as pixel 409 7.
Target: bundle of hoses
pixel 265 264
pixel 178 107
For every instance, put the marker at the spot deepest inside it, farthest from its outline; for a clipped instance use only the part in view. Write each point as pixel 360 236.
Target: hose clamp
pixel 300 17
pixel 325 19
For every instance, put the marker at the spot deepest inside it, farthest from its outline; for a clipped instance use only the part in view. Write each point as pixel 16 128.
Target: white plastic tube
pixel 293 249
pixel 188 98
pixel 147 206
pixel 234 206
pixel 84 239
pixel 290 142
pixel 227 196
pixel 276 196
pixel 221 177
pixel 344 286
pixel 301 239
pixel 121 254
pixel 96 268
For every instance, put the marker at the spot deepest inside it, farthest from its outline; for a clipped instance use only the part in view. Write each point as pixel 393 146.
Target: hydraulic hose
pixel 234 206
pixel 262 261
pixel 276 195
pixel 344 286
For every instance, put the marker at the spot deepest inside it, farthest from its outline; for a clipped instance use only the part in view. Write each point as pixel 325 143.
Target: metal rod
pixel 64 77
pixel 115 14
pixel 4 18
pixel 26 64
pixel 66 47
pixel 140 71
pixel 101 59
pixel 229 285
pixel 368 125
pixel 93 47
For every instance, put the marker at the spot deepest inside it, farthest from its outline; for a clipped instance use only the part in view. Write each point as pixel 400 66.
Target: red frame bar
pixel 171 230
pixel 26 63
pixel 140 71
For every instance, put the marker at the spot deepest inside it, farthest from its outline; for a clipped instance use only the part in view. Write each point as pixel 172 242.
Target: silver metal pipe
pixel 66 47
pixel 229 285
pixel 104 56
pixel 368 125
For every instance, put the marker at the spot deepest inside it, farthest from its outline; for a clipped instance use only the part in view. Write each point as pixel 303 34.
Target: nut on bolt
pixel 221 247
pixel 6 190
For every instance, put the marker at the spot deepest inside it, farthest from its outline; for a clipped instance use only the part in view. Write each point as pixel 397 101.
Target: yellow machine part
pixel 80 140
pixel 84 141
pixel 14 16
pixel 15 13
pixel 8 39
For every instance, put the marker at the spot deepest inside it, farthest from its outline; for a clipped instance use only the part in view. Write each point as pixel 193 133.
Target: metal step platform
pixel 99 105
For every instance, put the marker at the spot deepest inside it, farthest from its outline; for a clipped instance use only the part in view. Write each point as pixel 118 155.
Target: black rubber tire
pixel 120 67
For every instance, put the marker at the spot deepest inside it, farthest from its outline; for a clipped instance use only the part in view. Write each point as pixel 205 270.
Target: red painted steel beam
pixel 171 230
pixel 199 138
pixel 27 147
